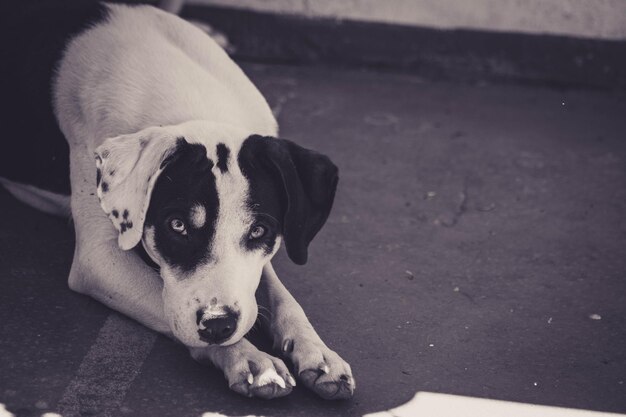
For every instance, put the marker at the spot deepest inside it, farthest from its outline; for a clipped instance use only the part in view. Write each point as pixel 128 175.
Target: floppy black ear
pixel 308 180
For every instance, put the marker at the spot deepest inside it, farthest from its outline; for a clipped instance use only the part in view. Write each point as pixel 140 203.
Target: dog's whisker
pixel 263 316
pixel 264 308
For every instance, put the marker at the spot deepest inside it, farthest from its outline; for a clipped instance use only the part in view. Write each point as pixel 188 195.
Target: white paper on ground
pixel 446 405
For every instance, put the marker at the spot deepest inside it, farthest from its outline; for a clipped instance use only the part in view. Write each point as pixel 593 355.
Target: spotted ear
pixel 127 169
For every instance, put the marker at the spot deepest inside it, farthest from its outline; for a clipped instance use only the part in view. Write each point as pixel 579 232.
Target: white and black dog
pixel 171 157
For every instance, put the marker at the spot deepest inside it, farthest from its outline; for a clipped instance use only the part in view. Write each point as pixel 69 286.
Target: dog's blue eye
pixel 178 226
pixel 257 232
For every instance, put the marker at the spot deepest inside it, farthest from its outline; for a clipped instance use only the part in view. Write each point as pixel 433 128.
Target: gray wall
pixel 599 19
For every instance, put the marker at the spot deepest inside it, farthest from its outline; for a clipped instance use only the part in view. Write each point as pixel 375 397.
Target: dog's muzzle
pixel 215 329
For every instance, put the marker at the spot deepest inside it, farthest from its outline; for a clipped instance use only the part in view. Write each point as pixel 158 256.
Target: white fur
pixel 126 89
pixel 145 69
pixel 198 216
pixel 232 274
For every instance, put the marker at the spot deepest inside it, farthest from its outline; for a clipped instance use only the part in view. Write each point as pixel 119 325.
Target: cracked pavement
pixel 477 236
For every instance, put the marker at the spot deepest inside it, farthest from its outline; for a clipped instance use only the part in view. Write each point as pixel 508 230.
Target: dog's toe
pixel 269 384
pixel 326 386
pixel 271 390
pixel 322 370
pixel 267 390
pixel 261 376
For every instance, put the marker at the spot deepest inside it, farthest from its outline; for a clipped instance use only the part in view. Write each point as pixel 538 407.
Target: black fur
pixel 186 181
pixel 223 153
pixel 180 143
pixel 33 36
pixel 292 185
pixel 265 200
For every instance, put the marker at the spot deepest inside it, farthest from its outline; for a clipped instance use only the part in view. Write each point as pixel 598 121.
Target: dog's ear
pixel 308 180
pixel 127 169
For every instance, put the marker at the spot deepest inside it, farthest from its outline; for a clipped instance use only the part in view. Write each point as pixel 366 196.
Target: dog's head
pixel 211 206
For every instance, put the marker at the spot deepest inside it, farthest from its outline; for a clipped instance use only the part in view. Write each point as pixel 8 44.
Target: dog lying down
pixel 171 156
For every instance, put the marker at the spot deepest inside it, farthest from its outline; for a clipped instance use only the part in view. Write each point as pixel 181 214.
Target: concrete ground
pixel 477 246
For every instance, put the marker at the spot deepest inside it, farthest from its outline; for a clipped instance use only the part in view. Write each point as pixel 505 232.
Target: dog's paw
pixel 320 369
pixel 254 373
pixel 260 376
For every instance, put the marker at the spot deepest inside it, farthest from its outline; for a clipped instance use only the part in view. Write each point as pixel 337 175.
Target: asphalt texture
pixel 477 246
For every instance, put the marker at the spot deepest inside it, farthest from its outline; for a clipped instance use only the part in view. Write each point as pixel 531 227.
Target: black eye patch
pixel 186 182
pixel 266 242
pixel 265 199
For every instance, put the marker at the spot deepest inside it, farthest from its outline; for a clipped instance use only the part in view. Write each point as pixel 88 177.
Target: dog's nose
pixel 217 329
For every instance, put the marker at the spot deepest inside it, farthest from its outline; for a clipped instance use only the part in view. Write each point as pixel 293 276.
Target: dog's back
pixel 136 66
pixel 145 67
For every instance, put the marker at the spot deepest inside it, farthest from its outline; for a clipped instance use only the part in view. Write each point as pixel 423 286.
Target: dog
pixel 180 191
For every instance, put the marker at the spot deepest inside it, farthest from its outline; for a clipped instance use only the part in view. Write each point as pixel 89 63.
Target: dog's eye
pixel 257 231
pixel 178 226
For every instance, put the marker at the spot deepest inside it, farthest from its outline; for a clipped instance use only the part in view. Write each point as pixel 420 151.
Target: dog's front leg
pixel 318 367
pixel 128 286
pixel 100 269
pixel 120 281
pixel 123 282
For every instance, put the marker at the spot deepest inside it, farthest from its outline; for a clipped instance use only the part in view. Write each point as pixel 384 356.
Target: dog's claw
pixel 264 386
pixel 291 380
pixel 270 376
pixel 325 369
pixel 327 387
pixel 288 346
pixel 335 390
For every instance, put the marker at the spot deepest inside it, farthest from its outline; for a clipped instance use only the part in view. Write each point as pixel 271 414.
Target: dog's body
pixel 172 151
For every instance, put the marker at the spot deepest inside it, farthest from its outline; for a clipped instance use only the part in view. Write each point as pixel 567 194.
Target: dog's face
pixel 211 209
